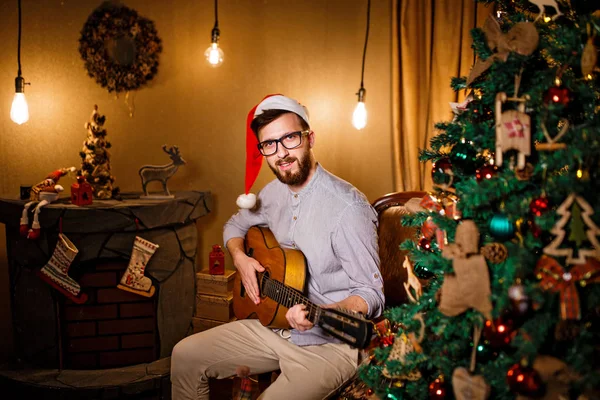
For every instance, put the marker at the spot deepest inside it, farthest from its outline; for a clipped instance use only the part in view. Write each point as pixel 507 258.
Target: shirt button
pixel 376 276
pixel 294 244
pixel 295 196
pixel 295 218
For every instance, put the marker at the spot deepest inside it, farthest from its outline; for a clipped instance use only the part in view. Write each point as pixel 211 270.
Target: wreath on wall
pixel 120 48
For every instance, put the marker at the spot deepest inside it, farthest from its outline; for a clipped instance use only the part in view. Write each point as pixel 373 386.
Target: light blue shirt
pixel 335 227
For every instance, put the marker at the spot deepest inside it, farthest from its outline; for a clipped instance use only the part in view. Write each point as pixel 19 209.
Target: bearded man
pixel 309 209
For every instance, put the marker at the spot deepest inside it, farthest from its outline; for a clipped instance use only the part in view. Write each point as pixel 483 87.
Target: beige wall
pixel 309 49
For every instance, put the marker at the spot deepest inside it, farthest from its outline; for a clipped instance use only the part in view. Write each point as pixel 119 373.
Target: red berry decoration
pixel 486 172
pixel 557 95
pixel 498 333
pixel 525 381
pixel 437 389
pixel 539 206
pixel 425 244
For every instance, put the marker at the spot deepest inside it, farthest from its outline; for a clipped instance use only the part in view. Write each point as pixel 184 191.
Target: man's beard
pixel 293 178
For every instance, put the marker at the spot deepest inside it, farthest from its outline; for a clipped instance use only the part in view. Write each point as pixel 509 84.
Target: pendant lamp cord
pixel 217 14
pixel 362 76
pixel 19 41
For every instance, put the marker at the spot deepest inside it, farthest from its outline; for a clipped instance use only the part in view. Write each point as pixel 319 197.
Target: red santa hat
pixel 253 156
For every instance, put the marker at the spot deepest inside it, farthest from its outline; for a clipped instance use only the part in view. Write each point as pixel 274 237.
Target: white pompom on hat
pixel 253 156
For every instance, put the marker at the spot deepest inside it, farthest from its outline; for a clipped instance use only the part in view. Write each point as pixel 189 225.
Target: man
pixel 332 223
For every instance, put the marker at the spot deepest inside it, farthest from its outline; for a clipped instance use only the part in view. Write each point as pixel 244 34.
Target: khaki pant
pixel 307 372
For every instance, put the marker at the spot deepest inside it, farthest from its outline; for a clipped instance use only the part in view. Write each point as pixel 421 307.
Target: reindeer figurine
pixel 161 173
pixel 548 3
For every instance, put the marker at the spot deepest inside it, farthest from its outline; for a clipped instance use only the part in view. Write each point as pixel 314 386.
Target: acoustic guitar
pixel 282 285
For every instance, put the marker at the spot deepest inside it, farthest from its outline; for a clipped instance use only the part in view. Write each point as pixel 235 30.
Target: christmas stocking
pixel 133 280
pixel 55 272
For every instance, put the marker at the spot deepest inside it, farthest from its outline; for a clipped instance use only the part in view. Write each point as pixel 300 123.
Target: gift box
pixel 214 307
pixel 220 285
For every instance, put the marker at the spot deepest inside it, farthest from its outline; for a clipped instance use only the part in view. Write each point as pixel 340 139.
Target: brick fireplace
pixel 73 345
pixel 114 328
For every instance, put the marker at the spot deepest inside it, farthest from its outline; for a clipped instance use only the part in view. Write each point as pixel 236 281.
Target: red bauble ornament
pixel 498 333
pixel 557 95
pixel 441 172
pixel 525 381
pixel 486 172
pixel 437 389
pixel 425 244
pixel 539 206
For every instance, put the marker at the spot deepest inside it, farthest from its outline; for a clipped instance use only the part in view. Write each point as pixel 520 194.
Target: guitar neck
pixel 289 297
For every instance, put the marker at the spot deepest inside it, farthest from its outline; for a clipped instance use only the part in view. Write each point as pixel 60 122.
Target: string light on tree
pixel 214 54
pixel 359 116
pixel 19 112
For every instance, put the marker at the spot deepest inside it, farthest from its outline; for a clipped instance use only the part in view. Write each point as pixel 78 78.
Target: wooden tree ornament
pixel 469 287
pixel 411 282
pixel 589 56
pixel 465 385
pixel 576 210
pixel 513 129
pixel 552 142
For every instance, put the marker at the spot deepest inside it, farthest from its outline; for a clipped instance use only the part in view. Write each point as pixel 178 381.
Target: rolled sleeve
pixel 356 245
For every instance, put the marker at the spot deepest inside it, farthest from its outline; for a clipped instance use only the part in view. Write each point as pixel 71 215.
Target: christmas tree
pixel 507 246
pixel 95 158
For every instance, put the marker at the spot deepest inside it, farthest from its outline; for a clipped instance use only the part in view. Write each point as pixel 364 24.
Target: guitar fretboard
pixel 289 297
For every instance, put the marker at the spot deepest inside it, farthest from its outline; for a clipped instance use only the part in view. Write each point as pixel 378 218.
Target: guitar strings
pixel 288 297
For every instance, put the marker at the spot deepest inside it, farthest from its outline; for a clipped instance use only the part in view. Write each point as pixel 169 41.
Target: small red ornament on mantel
pixel 81 192
pixel 216 261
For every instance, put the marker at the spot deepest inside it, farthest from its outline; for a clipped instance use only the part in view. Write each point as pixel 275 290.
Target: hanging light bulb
pixel 359 116
pixel 214 54
pixel 19 112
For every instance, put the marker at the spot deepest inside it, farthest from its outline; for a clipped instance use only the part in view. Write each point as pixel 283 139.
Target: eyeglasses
pixel 289 141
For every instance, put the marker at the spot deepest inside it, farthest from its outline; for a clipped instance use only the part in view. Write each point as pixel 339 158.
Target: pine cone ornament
pixel 495 253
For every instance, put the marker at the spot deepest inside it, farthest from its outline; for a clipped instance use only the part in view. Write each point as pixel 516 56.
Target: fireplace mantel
pixel 104 229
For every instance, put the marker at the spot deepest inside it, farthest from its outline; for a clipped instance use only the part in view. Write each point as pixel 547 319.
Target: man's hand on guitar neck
pixel 246 266
pixel 296 317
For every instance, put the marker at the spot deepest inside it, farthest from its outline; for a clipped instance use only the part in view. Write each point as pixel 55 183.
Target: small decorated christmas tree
pixel 95 158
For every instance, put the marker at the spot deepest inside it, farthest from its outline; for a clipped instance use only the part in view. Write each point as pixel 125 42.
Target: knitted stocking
pixel 55 272
pixel 133 280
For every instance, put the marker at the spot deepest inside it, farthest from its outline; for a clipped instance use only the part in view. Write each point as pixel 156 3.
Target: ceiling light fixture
pixel 214 55
pixel 359 117
pixel 19 112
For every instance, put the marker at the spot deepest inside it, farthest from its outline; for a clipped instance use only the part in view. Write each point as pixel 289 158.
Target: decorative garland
pixel 112 23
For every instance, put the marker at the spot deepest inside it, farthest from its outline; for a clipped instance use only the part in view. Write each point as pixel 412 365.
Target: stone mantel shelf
pixel 114 215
